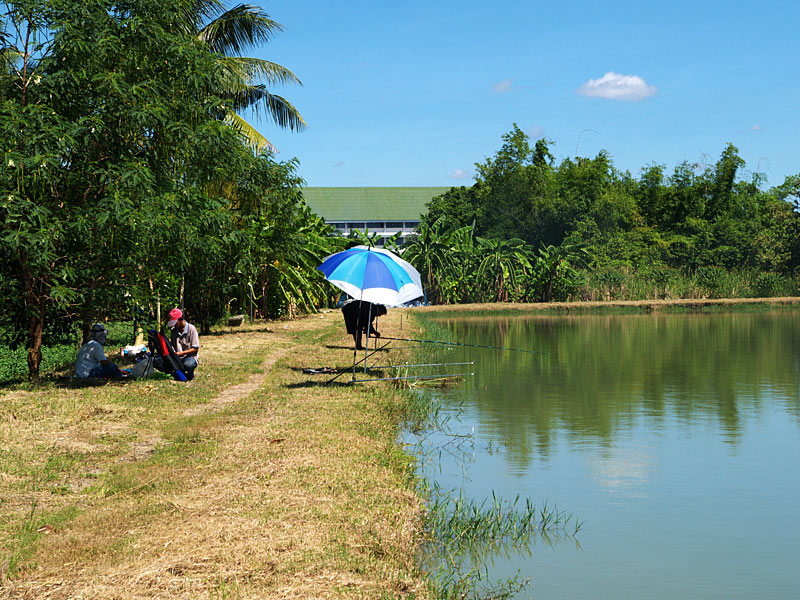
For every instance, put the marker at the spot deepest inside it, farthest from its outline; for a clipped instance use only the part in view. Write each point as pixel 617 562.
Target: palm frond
pixel 243 82
pixel 235 30
pixel 254 70
pixel 250 134
pixel 196 12
pixel 282 112
pixel 9 57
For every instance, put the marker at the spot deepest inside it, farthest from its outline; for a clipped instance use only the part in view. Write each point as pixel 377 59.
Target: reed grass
pixel 464 525
pixel 462 535
pixel 664 283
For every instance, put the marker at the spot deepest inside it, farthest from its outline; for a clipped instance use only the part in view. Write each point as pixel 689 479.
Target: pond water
pixel 674 438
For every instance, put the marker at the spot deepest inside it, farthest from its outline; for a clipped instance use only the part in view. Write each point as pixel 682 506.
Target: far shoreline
pixel 610 306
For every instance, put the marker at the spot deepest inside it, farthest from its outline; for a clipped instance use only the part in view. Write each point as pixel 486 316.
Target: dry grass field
pixel 253 481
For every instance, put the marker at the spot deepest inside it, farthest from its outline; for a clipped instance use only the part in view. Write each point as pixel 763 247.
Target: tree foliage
pixel 695 220
pixel 123 181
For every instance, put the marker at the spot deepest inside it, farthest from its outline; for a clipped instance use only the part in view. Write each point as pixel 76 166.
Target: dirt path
pixel 240 391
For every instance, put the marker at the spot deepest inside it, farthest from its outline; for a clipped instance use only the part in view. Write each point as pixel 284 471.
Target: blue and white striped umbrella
pixel 373 275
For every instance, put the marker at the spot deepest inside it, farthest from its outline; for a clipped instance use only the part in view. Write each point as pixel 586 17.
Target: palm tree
pixel 228 33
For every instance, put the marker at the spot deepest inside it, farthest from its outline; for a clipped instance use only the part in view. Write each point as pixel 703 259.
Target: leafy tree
pixel 722 179
pixel 777 241
pixel 108 112
pixel 456 208
pixel 514 190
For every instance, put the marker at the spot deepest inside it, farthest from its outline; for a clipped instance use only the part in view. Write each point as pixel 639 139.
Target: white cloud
pixel 459 174
pixel 614 86
pixel 503 86
pixel 536 132
pixel 338 164
pixel 756 127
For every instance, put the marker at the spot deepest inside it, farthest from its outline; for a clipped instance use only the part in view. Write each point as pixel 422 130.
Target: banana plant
pixel 571 253
pixel 502 261
pixel 430 252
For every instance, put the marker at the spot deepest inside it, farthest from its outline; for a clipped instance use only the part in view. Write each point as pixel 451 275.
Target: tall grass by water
pixel 666 283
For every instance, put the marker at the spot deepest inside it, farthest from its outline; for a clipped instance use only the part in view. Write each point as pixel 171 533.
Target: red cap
pixel 174 315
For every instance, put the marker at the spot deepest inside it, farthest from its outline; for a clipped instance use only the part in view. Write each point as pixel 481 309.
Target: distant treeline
pixel 531 229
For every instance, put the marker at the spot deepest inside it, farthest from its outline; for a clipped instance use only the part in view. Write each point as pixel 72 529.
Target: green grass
pixel 58 355
pixel 23 540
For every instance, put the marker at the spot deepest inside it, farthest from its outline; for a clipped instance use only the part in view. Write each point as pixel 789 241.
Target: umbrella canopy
pixel 373 275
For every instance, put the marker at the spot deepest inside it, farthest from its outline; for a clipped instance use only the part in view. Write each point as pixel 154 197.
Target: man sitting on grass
pixel 92 360
pixel 185 341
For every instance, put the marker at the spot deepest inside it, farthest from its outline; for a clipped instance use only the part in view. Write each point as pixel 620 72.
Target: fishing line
pixel 465 345
pixel 440 376
pixel 472 362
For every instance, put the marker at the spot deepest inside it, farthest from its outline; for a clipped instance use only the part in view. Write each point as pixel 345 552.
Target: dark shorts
pixel 106 371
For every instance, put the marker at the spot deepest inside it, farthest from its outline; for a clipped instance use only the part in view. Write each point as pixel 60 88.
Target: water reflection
pixel 674 438
pixel 596 377
pixel 622 470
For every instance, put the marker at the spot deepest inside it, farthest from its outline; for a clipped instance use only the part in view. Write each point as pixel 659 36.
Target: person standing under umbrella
pixel 358 318
pixel 373 275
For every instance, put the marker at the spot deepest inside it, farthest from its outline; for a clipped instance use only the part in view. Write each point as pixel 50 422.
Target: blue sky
pixel 415 93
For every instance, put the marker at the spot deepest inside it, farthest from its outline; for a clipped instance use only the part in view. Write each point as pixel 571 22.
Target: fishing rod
pixel 406 347
pixel 472 362
pixel 459 344
pixel 358 363
pixel 440 376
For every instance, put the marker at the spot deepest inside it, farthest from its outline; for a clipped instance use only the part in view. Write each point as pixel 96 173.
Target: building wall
pixel 384 229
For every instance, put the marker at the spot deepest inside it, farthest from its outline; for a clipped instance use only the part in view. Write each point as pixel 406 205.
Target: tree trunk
pixel 35 340
pixel 262 301
pixel 86 325
pixel 35 301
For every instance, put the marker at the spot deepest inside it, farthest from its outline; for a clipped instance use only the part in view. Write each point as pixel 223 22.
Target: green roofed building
pixel 381 210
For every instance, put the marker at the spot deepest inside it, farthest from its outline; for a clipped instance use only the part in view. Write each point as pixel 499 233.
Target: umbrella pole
pixel 366 346
pixel 358 363
pixel 355 336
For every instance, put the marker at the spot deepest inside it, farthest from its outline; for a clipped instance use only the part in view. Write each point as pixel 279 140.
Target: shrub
pixel 768 284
